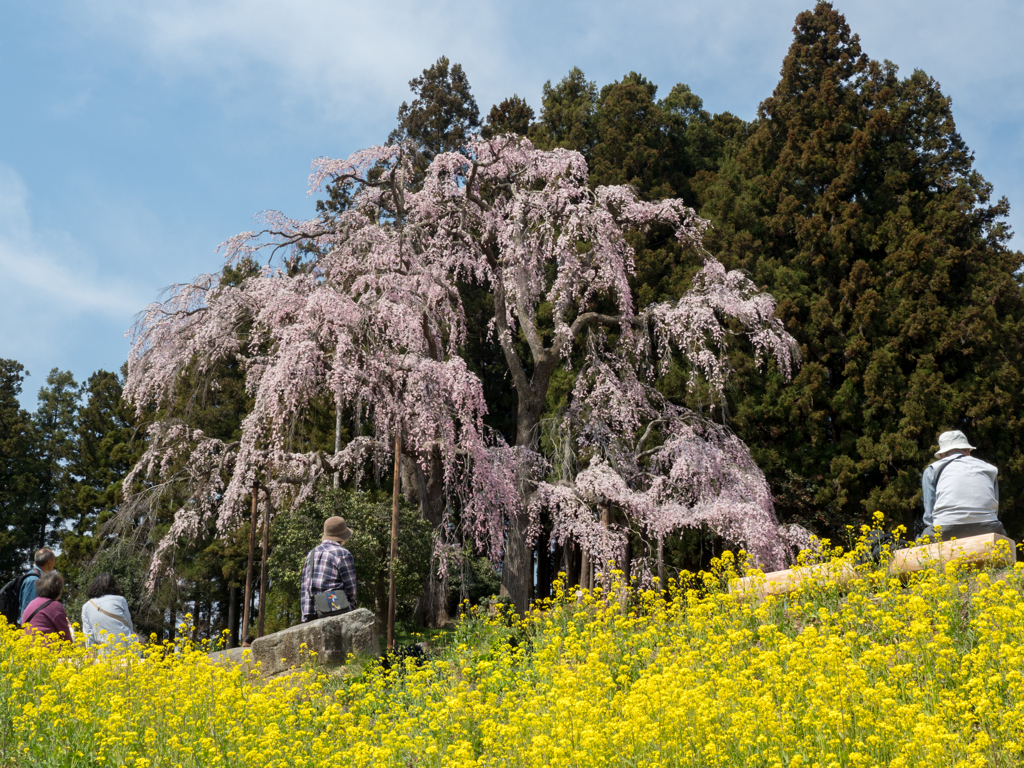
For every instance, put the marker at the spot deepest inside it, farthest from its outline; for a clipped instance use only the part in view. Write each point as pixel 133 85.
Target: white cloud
pixel 347 56
pixel 342 57
pixel 345 64
pixel 56 308
pixel 45 272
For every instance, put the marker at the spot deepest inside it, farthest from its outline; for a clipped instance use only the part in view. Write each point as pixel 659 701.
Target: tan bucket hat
pixel 335 529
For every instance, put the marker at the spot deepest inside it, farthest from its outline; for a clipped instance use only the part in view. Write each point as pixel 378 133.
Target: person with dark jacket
pixel 45 615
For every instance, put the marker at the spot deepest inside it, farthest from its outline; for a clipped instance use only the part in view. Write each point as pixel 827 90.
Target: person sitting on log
pixel 961 492
pixel 329 574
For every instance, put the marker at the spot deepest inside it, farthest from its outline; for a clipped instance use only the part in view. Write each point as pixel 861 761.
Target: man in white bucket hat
pixel 961 492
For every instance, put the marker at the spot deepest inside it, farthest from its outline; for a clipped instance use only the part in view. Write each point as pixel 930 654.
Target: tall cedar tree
pixel 54 421
pixel 105 447
pixel 19 518
pixel 513 115
pixel 443 115
pixel 855 203
pixel 567 114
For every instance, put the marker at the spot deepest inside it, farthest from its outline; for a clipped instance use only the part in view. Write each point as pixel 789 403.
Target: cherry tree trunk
pixel 661 563
pixel 585 570
pixel 517 567
pixel 432 606
pixel 516 570
pixel 567 563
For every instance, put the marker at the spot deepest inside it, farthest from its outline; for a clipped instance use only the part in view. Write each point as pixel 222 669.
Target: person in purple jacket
pixel 45 615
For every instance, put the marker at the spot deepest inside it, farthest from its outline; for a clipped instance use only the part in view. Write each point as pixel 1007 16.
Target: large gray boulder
pixel 332 639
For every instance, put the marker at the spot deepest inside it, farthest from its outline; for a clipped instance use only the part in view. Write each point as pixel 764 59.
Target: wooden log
pixel 782 582
pixel 975 549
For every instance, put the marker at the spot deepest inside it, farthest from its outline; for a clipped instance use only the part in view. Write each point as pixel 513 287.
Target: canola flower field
pixel 925 671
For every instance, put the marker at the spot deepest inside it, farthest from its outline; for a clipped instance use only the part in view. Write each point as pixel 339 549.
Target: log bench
pixel 975 549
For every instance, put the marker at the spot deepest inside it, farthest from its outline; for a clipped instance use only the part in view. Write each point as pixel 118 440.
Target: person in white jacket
pixel 106 619
pixel 961 492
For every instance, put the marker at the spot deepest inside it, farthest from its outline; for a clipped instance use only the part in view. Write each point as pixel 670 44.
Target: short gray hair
pixel 50 585
pixel 44 555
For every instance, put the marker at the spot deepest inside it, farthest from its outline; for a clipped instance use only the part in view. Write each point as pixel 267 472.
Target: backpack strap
pixel 37 610
pixel 114 616
pixel 939 471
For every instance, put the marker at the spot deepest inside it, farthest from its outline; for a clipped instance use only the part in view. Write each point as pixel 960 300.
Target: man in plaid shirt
pixel 329 566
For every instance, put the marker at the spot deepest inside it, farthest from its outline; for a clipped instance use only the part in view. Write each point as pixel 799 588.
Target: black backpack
pixel 10 599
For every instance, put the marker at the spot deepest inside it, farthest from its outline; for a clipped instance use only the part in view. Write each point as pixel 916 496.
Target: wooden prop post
pixel 606 567
pixel 394 543
pixel 661 563
pixel 248 570
pixel 263 567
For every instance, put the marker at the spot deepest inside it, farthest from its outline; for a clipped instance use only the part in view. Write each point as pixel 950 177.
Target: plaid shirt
pixel 329 566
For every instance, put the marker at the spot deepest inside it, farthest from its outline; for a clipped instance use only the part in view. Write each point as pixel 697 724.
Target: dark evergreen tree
pixel 20 519
pixel 54 421
pixel 631 139
pixel 567 114
pixel 106 445
pixel 444 113
pixel 855 202
pixel 512 115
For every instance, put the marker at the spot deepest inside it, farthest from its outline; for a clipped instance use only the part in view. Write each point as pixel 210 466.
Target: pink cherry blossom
pixel 363 309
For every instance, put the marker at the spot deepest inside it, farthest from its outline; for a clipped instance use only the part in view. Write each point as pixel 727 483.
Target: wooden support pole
pixel 394 542
pixel 263 567
pixel 248 569
pixel 606 567
pixel 661 564
pixel 337 438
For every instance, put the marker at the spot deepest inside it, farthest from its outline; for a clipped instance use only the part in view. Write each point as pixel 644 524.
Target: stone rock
pixel 332 639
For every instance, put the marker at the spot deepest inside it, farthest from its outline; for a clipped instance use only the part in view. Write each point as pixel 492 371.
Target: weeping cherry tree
pixel 363 308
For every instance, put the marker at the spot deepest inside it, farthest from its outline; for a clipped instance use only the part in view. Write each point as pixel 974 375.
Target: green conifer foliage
pixel 632 145
pixel 513 115
pixel 54 421
pixel 856 204
pixel 567 114
pixel 106 444
pixel 19 519
pixel 444 113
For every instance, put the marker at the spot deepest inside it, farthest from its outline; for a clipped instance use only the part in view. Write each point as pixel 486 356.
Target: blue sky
pixel 136 136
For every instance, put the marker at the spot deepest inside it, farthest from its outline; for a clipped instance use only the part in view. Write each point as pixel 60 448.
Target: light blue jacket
pixel 28 590
pixel 967 492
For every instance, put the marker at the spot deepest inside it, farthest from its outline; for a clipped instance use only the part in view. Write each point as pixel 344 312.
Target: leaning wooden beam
pixel 976 549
